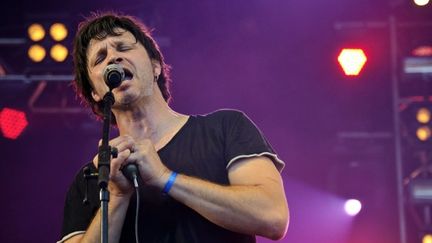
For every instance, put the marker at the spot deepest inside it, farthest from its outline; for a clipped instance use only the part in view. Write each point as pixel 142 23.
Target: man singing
pixel 205 178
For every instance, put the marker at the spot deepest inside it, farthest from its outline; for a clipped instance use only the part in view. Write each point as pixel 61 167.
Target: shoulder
pixel 224 115
pixel 223 119
pixel 227 122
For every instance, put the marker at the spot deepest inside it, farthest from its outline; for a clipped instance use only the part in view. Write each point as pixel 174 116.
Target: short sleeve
pixel 77 215
pixel 243 139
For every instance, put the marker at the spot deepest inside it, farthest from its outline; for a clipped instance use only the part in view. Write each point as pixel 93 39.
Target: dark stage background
pixel 274 60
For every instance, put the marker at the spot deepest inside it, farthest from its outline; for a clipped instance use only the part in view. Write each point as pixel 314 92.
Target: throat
pixel 160 133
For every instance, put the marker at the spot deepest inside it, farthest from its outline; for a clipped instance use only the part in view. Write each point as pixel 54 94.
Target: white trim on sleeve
pixel 277 162
pixel 67 237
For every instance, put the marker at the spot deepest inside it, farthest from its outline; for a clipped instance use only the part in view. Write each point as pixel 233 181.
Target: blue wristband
pixel 170 182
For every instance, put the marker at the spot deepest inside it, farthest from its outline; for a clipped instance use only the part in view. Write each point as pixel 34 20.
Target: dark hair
pixel 99 26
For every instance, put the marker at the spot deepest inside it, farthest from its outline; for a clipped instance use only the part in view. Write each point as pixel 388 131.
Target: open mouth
pixel 128 74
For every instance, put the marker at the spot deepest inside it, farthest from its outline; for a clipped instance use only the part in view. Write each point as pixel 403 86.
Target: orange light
pixel 36 53
pixel 352 61
pixel 427 238
pixel 423 115
pixel 58 52
pixel 36 32
pixel 58 31
pixel 423 133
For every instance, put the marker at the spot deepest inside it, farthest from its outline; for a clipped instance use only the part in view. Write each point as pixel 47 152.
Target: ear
pixel 95 96
pixel 157 69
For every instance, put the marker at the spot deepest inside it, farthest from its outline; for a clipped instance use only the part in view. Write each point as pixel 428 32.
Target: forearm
pixel 248 209
pixel 117 208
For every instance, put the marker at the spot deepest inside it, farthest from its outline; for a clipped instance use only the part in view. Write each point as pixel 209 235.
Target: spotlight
pixel 427 238
pixel 417 121
pixel 423 133
pixel 423 115
pixel 12 123
pixel 58 31
pixel 58 52
pixel 52 51
pixel 36 53
pixel 352 207
pixel 352 61
pixel 36 32
pixel 421 2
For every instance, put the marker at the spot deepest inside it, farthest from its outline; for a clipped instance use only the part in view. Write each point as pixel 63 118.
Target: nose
pixel 115 60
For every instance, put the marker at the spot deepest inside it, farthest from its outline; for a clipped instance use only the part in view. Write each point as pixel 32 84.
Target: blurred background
pixel 341 89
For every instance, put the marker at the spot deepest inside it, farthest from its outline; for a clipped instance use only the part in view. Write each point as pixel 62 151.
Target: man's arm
pixel 120 193
pixel 253 204
pixel 117 208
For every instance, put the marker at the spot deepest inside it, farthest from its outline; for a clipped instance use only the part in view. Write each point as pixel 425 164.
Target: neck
pixel 150 120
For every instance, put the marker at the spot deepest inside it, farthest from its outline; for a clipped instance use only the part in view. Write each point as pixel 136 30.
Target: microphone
pixel 131 172
pixel 113 75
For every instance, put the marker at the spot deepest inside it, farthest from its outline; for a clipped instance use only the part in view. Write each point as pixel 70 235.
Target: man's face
pixel 126 51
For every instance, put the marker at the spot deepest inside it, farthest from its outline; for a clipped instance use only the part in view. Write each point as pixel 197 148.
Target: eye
pixel 123 48
pixel 98 60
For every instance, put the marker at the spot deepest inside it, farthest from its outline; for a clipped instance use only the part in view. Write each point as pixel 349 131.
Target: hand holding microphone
pixel 130 171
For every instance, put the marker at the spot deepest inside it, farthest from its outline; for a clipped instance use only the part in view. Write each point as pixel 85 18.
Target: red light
pixel 352 61
pixel 422 51
pixel 12 122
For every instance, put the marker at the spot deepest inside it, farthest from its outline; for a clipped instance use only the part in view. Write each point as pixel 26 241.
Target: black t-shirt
pixel 204 148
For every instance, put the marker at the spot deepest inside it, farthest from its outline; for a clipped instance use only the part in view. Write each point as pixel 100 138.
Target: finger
pixel 117 140
pixel 121 143
pixel 117 163
pixel 95 160
pixel 126 145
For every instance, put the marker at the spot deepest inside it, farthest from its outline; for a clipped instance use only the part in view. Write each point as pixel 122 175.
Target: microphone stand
pixel 104 157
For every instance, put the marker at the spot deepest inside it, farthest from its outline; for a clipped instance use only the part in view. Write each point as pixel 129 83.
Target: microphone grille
pixel 113 75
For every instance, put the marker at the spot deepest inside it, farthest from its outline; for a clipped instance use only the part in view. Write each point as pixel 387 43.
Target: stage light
pixel 58 31
pixel 423 133
pixel 420 190
pixel 423 115
pixel 52 54
pixel 36 32
pixel 421 2
pixel 12 123
pixel 422 51
pixel 352 61
pixel 36 53
pixel 352 207
pixel 427 238
pixel 58 52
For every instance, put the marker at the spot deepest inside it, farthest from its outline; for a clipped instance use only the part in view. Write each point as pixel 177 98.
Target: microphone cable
pixel 135 182
pixel 131 172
